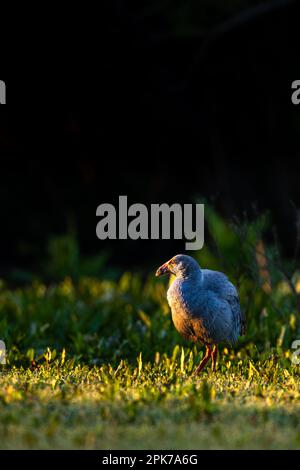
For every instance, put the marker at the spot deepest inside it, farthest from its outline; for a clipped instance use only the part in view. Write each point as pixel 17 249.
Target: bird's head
pixel 182 266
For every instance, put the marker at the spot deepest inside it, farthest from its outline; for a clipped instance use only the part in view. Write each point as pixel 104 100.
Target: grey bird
pixel 205 306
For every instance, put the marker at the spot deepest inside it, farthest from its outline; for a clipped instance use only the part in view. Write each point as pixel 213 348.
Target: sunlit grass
pixel 94 361
pixel 151 405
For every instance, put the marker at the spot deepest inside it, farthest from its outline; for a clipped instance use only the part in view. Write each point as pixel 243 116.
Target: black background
pixel 132 108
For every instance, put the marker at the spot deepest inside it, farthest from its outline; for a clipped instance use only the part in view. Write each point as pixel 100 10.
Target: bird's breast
pixel 182 315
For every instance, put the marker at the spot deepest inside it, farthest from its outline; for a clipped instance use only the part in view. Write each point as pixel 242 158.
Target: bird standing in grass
pixel 205 306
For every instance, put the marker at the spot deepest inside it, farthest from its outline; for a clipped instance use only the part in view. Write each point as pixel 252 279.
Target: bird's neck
pixel 195 276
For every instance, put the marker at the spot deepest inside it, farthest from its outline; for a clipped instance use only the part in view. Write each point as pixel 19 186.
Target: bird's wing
pixel 219 283
pixel 239 318
pixel 213 321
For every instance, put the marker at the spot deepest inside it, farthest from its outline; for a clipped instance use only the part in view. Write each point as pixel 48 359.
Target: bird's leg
pixel 204 360
pixel 214 355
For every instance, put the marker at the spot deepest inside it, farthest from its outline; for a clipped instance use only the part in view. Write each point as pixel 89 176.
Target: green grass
pixel 95 362
pixel 152 405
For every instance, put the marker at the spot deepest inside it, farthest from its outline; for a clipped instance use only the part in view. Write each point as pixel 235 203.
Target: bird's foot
pixel 197 371
pixel 204 361
pixel 214 355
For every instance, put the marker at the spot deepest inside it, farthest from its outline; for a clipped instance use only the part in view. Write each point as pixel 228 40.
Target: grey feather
pixel 205 304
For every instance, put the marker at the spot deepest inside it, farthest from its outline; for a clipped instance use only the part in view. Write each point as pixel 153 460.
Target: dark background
pixel 177 103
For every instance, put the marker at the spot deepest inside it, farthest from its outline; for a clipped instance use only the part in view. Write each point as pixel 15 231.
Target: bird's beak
pixel 163 269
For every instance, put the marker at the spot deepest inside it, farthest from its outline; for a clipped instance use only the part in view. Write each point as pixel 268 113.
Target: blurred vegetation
pixel 192 17
pixel 98 315
pixel 95 357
